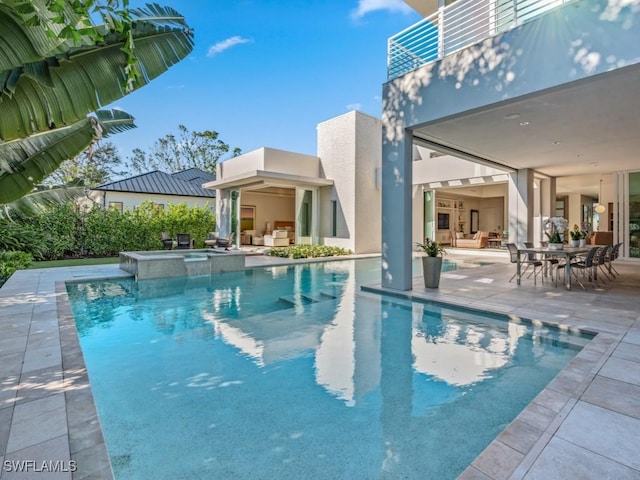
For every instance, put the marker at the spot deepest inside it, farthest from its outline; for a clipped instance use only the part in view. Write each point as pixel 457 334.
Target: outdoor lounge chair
pixel 226 242
pixel 211 240
pixel 168 243
pixel 184 241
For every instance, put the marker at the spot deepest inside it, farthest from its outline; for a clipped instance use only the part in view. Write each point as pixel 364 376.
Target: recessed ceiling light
pixel 511 116
pixel 524 124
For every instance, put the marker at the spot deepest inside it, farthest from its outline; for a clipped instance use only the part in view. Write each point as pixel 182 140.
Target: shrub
pixel 25 238
pixel 10 261
pixel 67 231
pixel 308 251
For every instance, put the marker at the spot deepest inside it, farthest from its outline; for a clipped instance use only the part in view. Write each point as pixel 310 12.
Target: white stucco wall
pixel 368 199
pixel 269 159
pixel 349 148
pixel 291 163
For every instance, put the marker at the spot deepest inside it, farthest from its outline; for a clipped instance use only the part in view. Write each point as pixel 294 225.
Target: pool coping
pixel 511 455
pixel 542 417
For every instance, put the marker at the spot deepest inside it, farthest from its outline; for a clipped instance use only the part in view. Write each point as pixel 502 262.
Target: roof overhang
pixel 260 178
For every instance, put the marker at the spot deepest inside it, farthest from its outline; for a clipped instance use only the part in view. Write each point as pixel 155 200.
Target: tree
pixel 190 149
pixel 95 165
pixel 56 67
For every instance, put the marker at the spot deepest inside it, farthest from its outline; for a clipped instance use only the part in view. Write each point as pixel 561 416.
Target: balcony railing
pixel 458 26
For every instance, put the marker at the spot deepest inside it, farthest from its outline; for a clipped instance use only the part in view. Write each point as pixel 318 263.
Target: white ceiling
pixel 588 129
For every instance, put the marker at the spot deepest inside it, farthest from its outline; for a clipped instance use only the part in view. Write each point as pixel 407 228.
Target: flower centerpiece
pixel 554 230
pixel 432 262
pixel 576 235
pixel 585 227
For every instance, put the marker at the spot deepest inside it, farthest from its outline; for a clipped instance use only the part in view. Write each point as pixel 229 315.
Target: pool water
pixel 292 372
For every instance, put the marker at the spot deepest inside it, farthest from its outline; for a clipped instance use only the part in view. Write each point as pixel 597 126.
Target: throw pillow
pixel 459 235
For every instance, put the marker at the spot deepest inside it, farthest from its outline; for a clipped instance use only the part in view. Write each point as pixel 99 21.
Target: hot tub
pixel 180 263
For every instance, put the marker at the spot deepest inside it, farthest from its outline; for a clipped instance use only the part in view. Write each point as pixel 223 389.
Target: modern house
pixel 158 187
pixel 544 92
pixel 330 199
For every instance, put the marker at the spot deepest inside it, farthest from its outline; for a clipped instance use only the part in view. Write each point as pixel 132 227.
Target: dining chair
pixel 600 260
pixel 584 265
pixel 548 261
pixel 525 260
pixel 611 256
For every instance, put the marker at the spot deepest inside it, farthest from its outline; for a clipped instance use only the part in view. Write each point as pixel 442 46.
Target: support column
pixel 521 206
pixel 547 202
pixel 223 212
pixel 397 177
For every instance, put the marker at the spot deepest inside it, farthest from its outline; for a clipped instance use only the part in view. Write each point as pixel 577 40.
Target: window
pixel 116 206
pixel 334 218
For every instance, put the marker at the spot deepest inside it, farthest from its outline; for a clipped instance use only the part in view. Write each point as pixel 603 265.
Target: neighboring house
pixel 542 92
pixel 158 187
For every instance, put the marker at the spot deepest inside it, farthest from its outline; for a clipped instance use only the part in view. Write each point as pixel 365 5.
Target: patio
pixel 581 426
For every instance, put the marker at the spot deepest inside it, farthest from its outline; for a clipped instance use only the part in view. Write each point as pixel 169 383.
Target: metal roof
pixel 162 183
pixel 195 175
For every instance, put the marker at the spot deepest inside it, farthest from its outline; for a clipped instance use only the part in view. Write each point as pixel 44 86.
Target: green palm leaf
pixel 25 162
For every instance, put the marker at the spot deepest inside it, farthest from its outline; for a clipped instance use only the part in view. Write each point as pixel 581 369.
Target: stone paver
pixel 589 412
pixel 581 426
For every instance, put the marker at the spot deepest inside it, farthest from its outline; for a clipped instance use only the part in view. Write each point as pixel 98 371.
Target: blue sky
pixel 265 73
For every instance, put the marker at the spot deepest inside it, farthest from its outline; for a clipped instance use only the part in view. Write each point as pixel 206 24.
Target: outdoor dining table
pixel 567 252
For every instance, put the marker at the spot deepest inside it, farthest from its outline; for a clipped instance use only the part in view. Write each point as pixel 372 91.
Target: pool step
pixel 305 298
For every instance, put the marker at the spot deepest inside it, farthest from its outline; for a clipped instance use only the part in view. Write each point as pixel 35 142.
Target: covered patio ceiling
pixel 588 128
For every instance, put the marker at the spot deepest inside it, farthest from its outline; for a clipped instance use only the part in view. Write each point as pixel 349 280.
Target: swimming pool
pixel 291 372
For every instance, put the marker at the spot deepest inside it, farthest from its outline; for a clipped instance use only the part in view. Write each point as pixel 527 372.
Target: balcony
pixel 457 26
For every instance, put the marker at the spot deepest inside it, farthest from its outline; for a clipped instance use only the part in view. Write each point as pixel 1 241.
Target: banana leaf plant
pixel 39 94
pixel 56 67
pixel 25 162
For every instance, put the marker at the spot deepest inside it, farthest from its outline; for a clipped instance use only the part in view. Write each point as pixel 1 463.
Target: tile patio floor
pixel 582 426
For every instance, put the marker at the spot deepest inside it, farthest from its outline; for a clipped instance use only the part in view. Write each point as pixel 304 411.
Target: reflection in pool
pixel 292 372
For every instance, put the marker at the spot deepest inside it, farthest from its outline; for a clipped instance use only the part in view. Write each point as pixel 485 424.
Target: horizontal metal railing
pixel 457 26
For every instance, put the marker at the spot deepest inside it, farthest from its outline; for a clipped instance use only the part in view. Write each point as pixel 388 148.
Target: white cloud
pixel 226 44
pixel 354 106
pixel 367 6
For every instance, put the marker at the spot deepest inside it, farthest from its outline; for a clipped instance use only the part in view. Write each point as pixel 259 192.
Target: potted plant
pixel 554 229
pixel 576 235
pixel 432 262
pixel 583 238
